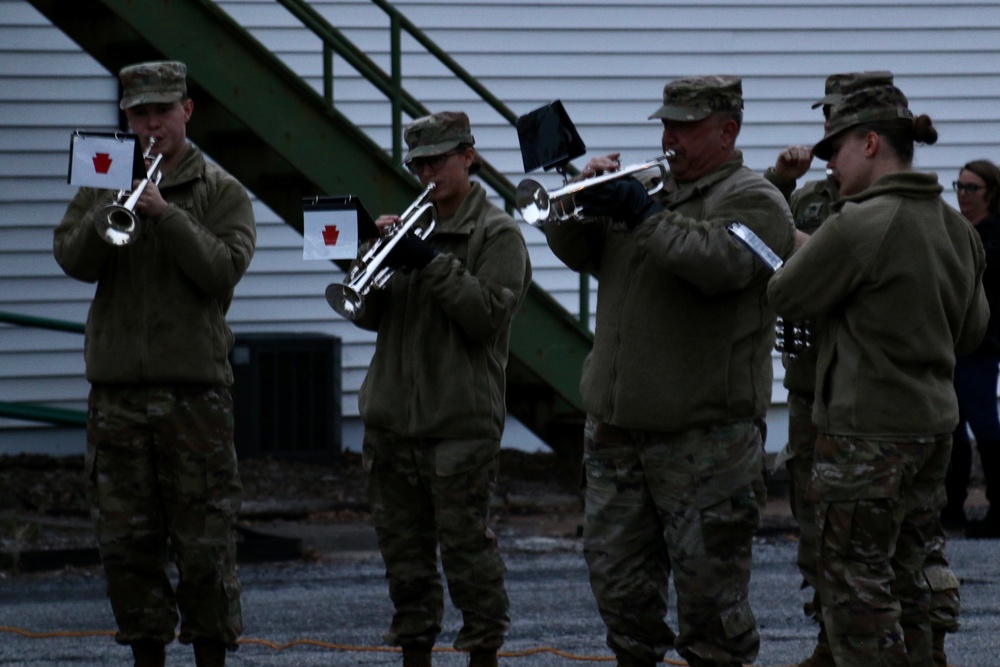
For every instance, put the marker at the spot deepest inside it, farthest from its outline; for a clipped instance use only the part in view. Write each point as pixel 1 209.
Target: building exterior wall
pixel 607 62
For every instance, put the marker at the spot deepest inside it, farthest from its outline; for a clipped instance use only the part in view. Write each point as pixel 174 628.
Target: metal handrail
pixel 41 322
pixel 391 84
pixel 34 411
pixel 400 100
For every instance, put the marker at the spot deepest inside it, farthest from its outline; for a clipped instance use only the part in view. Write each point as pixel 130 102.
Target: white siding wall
pixel 607 62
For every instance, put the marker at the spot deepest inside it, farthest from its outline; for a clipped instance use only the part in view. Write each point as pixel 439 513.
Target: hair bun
pixel 923 130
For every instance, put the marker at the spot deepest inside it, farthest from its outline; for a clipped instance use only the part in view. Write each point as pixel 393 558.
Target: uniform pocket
pixel 731 521
pixel 857 508
pixel 452 457
pixel 853 481
pixel 738 620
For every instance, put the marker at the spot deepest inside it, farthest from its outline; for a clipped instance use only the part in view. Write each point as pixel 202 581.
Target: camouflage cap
pixel 838 85
pixel 694 98
pixel 437 134
pixel 159 81
pixel 868 105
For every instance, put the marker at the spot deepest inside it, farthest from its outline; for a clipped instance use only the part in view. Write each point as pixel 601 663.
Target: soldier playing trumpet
pixel 160 455
pixel 433 400
pixel 677 384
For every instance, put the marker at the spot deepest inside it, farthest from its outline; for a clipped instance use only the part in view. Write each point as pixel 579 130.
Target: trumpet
pixel 537 206
pixel 368 273
pixel 118 223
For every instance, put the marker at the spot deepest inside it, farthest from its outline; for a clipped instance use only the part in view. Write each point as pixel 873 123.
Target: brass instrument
pixel 368 273
pixel 537 206
pixel 792 338
pixel 118 223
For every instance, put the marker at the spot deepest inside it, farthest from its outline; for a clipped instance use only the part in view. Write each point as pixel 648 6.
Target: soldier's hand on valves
pixel 150 202
pixel 622 199
pixel 411 252
pixel 384 222
pixel 602 165
pixel 793 162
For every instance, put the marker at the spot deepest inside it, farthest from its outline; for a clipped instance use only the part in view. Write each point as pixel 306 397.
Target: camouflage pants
pixel 164 483
pixel 686 503
pixel 878 509
pixel 431 494
pixel 802 435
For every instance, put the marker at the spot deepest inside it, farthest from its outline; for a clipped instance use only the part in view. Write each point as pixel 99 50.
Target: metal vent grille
pixel 287 395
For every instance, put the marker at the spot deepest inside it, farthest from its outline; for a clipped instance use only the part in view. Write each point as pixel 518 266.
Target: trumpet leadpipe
pixel 538 206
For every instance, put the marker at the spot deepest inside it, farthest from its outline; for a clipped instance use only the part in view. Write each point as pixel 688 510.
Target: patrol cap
pixel 868 105
pixel 838 85
pixel 695 98
pixel 158 81
pixel 437 134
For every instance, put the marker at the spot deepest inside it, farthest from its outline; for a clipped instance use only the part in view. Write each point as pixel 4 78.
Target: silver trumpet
pixel 118 223
pixel 537 206
pixel 368 273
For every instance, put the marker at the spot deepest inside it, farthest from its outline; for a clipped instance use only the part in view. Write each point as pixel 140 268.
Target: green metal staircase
pixel 277 135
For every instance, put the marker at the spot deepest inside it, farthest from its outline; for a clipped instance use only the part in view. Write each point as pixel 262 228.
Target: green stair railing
pixel 34 411
pixel 390 84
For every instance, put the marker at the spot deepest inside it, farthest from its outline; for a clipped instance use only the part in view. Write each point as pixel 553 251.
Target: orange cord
pixel 330 645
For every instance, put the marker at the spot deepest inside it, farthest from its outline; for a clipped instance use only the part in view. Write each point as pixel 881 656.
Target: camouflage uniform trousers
pixel 878 507
pixel 686 503
pixel 802 434
pixel 427 494
pixel 165 485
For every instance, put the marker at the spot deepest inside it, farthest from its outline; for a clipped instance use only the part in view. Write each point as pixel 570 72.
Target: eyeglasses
pixel 435 162
pixel 971 188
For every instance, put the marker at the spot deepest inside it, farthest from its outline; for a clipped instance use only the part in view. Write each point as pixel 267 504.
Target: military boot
pixel 937 650
pixel 485 658
pixel 822 656
pixel 209 653
pixel 416 656
pixel 629 660
pixel 694 661
pixel 149 654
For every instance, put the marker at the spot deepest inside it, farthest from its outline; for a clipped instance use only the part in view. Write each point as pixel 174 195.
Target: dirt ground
pixel 44 506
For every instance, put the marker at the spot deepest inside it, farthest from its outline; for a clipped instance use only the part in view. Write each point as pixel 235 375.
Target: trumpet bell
pixel 119 226
pixel 532 202
pixel 346 301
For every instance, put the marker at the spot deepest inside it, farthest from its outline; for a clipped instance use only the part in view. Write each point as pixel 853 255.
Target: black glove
pixel 621 199
pixel 411 252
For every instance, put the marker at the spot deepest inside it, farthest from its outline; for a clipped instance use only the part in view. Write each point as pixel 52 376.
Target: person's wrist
pixel 782 175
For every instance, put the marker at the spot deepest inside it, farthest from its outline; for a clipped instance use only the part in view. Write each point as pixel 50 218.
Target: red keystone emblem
pixel 330 235
pixel 102 163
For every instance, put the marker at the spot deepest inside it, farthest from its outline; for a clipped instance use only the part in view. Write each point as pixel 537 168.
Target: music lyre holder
pixel 549 139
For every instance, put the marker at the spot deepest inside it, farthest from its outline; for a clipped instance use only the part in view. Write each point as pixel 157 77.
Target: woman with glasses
pixel 433 399
pixel 978 188
pixel 897 273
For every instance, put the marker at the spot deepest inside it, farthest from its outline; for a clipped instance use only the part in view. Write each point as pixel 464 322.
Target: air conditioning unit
pixel 287 395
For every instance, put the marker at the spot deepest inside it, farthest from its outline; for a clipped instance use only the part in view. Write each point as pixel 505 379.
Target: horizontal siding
pixel 607 62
